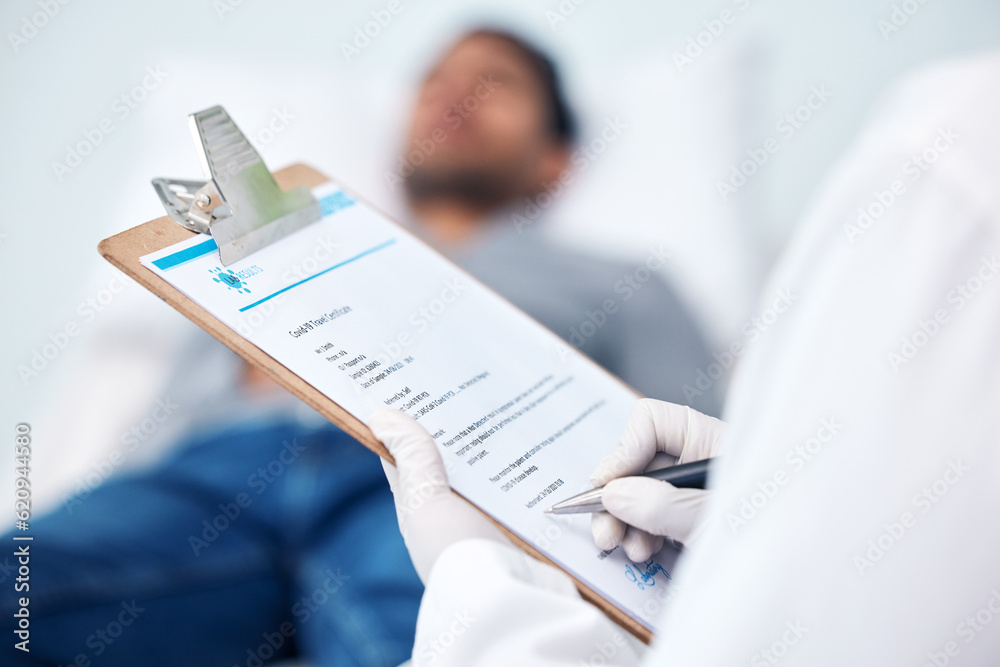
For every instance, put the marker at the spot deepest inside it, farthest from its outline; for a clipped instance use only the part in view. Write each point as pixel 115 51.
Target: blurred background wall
pixel 695 86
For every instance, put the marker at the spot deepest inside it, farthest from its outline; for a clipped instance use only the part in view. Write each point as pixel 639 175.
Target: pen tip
pixel 547 511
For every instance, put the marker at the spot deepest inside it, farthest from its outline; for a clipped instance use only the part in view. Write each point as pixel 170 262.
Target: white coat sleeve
pixel 487 603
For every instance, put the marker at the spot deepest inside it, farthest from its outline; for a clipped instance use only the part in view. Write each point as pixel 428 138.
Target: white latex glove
pixel 431 517
pixel 642 511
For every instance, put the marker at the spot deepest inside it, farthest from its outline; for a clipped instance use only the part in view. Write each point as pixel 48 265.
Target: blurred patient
pixel 489 146
pixel 269 533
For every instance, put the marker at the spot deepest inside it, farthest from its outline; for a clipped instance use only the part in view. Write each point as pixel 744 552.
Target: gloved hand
pixel 431 517
pixel 642 511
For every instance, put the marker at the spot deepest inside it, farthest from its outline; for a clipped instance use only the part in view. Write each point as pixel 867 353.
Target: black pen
pixel 686 476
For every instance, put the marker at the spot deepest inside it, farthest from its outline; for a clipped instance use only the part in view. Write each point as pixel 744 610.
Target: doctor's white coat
pixel 855 518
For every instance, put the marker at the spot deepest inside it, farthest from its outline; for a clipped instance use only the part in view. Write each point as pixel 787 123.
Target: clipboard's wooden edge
pixel 124 249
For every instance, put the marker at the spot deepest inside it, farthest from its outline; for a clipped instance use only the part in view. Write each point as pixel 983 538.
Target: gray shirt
pixel 624 317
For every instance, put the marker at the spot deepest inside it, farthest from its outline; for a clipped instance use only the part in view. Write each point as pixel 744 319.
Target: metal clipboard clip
pixel 239 203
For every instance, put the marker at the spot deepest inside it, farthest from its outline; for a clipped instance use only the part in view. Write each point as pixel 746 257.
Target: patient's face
pixel 479 126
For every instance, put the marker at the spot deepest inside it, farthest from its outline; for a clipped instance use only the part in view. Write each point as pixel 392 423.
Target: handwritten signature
pixel 644 575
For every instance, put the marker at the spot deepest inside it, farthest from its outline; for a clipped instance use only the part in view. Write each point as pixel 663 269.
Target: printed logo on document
pixel 235 280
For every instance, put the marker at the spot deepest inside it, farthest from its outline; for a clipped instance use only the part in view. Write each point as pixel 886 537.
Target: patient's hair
pixel 562 124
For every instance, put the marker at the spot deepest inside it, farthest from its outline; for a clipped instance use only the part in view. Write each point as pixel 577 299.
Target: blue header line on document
pixel 380 246
pixel 329 205
pixel 174 260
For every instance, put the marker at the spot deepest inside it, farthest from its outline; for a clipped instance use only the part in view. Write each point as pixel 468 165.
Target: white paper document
pixel 371 317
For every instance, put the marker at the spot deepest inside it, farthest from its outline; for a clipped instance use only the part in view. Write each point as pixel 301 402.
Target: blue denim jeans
pixel 250 545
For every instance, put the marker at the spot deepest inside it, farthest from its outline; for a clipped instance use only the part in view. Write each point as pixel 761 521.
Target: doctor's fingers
pixel 657 426
pixel 419 468
pixel 392 476
pixel 609 532
pixel 640 545
pixel 656 507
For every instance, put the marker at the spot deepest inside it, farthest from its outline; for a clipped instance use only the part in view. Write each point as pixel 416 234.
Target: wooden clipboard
pixel 124 250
